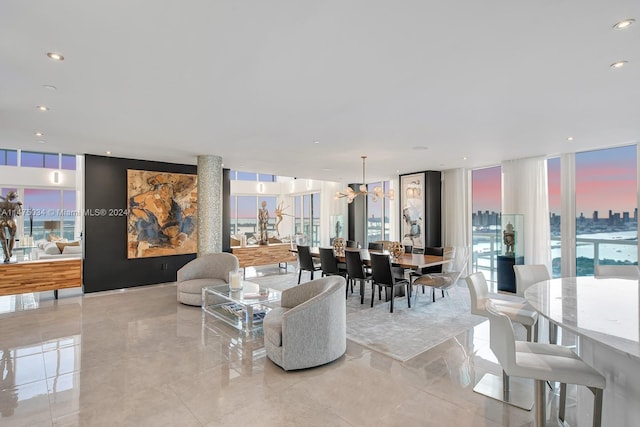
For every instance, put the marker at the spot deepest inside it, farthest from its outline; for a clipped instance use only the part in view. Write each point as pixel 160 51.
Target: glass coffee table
pixel 244 309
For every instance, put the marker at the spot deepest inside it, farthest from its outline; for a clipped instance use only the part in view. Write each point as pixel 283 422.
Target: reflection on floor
pixel 139 358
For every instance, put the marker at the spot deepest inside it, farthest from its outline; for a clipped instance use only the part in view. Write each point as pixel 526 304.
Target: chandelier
pixel 377 192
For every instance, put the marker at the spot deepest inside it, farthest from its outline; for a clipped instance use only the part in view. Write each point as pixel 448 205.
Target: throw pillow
pixel 72 249
pixel 62 245
pixel 51 249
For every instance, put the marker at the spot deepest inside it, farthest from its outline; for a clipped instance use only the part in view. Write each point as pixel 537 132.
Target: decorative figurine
pixel 509 239
pixel 263 221
pixel 9 208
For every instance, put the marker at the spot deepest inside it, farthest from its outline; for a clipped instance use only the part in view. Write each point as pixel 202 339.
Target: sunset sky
pixel 605 179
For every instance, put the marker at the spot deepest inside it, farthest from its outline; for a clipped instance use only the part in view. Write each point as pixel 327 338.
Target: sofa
pixel 58 249
pixel 309 328
pixel 206 270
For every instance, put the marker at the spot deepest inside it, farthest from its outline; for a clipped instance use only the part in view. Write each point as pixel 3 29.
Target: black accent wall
pixel 106 266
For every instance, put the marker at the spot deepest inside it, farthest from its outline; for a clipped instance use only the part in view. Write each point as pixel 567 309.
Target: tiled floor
pixel 139 358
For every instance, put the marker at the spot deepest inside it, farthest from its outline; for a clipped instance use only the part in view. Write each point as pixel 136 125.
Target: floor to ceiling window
pixel 377 214
pixel 606 208
pixel 306 209
pixel 553 183
pixel 486 216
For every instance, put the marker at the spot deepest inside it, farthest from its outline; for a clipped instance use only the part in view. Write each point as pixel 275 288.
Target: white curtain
pixel 525 191
pixel 456 208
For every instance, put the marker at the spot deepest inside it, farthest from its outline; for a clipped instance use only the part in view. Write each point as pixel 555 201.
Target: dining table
pixel 604 314
pixel 407 261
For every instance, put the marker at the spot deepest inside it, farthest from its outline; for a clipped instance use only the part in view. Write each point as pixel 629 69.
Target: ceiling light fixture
pixel 570 138
pixel 50 87
pixel 377 191
pixel 42 107
pixel 40 141
pixel 38 134
pixel 108 153
pixel 619 64
pixel 316 142
pixel 55 56
pixel 624 24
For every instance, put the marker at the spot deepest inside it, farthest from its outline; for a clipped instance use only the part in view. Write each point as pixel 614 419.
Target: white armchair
pixel 310 327
pixel 206 270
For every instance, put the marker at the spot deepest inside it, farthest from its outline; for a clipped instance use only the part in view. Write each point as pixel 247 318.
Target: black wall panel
pixel 106 266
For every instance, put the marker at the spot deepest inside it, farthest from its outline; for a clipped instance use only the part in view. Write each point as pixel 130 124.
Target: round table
pixel 604 315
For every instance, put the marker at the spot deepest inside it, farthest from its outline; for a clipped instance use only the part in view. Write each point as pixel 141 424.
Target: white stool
pixel 543 362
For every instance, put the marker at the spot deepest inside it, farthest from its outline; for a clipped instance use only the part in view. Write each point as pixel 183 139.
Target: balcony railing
pixel 589 252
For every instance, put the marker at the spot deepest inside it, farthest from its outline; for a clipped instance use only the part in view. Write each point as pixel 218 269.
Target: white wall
pixel 286 188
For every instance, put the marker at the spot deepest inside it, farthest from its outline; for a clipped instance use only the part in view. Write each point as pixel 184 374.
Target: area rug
pixel 406 332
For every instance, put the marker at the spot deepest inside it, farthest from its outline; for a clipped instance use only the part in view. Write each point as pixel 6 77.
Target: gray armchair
pixel 206 270
pixel 309 328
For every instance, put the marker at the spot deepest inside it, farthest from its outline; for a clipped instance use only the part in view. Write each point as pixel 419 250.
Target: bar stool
pixel 542 362
pixel 489 385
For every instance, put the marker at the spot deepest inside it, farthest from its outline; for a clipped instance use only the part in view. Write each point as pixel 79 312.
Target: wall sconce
pixel 55 177
pixel 261 187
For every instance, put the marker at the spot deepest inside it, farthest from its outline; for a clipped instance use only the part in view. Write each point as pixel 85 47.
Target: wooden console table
pixel 38 276
pixel 251 256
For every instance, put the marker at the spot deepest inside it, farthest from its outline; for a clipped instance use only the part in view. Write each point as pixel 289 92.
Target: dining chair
pixel 408 249
pixel 617 271
pixel 541 362
pixel 329 264
pixel 383 276
pixel 519 312
pixel 375 246
pixel 427 270
pixel 527 275
pixel 452 271
pixel 357 273
pixel 306 262
pixel 352 244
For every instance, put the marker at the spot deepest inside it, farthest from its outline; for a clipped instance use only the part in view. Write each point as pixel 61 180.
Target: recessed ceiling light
pixel 40 141
pixel 49 87
pixel 42 107
pixel 108 153
pixel 624 24
pixel 38 134
pixel 420 148
pixel 619 64
pixel 570 138
pixel 316 142
pixel 464 158
pixel 55 56
pixel 398 171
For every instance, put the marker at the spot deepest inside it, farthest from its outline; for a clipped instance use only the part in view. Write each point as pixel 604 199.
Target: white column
pixel 209 204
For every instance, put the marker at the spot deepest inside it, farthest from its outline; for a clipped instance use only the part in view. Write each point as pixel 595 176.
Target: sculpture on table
pixel 509 239
pixel 263 221
pixel 9 208
pixel 396 249
pixel 338 245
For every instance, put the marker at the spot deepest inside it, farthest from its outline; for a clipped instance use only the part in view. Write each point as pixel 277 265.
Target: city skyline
pixel 605 179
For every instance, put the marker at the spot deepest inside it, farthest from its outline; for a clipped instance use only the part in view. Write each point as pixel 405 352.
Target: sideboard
pixel 255 255
pixel 38 276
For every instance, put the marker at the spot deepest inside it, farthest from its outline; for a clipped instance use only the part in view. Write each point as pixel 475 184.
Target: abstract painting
pixel 412 205
pixel 162 214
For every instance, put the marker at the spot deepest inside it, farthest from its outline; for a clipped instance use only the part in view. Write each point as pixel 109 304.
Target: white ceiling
pixel 257 82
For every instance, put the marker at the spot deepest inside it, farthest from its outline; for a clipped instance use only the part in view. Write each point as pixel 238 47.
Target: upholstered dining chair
pixel 542 362
pixel 617 271
pixel 329 264
pixel 383 277
pixel 519 312
pixel 306 262
pixel 427 270
pixel 352 244
pixel 356 273
pixel 527 275
pixel 375 246
pixel 458 258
